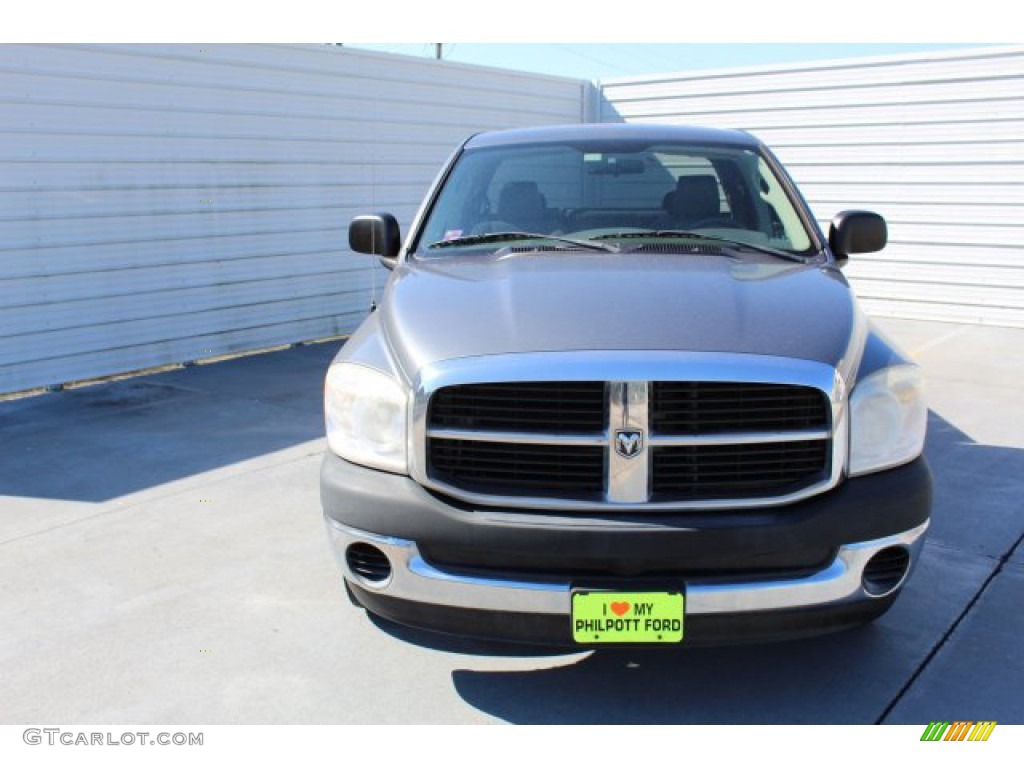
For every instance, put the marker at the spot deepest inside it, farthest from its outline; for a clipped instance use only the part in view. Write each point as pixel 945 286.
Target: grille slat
pixel 764 411
pixel 717 470
pixel 727 471
pixel 725 466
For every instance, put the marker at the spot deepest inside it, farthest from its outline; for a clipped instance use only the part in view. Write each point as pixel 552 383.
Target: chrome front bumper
pixel 413 579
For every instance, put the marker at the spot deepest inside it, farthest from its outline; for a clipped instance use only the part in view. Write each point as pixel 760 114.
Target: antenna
pixel 373 201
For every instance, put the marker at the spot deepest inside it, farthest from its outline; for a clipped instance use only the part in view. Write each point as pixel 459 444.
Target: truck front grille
pixel 698 440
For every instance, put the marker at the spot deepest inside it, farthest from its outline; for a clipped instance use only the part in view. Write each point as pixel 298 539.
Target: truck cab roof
pixel 649 134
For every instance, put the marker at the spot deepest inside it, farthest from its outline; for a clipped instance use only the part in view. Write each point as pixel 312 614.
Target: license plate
pixel 627 617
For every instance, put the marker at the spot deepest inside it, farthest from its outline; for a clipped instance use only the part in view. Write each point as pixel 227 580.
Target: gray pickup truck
pixel 618 391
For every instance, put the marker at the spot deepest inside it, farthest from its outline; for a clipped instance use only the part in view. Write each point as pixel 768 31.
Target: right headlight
pixel 366 414
pixel 888 419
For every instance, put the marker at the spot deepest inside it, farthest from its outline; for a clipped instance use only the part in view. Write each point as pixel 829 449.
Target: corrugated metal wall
pixel 934 143
pixel 162 203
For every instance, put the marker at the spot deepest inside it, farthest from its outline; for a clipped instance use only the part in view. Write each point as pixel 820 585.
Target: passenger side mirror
pixel 856 232
pixel 377 234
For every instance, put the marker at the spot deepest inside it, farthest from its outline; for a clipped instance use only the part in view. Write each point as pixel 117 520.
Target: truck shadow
pixel 802 681
pixel 466 646
pixel 847 677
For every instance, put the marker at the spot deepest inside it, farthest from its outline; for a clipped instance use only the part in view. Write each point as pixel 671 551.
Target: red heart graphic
pixel 620 609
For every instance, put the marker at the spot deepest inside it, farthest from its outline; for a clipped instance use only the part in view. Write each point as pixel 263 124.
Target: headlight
pixel 365 411
pixel 888 419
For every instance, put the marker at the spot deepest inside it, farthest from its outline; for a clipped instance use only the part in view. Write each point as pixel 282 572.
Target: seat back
pixel 522 204
pixel 694 199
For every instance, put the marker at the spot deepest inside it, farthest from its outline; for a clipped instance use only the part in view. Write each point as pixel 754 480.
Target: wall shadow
pixel 106 440
pixel 602 110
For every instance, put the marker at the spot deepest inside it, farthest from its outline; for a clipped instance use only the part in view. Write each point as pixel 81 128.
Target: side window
pixel 459 206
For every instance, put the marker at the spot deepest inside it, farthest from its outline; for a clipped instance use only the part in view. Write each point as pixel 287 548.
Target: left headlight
pixel 365 411
pixel 888 419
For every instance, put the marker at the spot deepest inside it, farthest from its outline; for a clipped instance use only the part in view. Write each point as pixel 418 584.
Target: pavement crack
pixel 950 630
pixel 997 559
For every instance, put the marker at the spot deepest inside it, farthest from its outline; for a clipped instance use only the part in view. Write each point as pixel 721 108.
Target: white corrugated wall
pixel 935 143
pixel 162 203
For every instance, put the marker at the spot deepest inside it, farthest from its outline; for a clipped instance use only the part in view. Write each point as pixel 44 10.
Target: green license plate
pixel 627 617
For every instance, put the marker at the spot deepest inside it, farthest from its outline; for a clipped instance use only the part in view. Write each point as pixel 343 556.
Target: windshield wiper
pixel 501 237
pixel 667 233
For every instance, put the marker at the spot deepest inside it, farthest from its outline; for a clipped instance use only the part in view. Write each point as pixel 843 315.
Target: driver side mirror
pixel 856 232
pixel 377 234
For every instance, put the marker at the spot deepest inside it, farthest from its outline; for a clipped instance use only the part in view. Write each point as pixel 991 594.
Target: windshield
pixel 608 187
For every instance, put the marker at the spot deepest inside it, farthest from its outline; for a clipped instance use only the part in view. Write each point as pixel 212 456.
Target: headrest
pixel 695 198
pixel 520 197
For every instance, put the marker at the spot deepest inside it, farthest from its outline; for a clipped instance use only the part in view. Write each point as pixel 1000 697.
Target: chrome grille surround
pixel 628 485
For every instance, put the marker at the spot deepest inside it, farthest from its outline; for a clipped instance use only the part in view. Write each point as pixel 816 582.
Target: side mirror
pixel 856 232
pixel 375 233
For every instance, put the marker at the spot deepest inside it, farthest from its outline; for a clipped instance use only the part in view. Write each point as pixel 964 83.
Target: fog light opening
pixel 885 571
pixel 369 564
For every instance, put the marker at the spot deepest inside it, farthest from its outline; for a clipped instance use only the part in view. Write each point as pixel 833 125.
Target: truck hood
pixel 464 306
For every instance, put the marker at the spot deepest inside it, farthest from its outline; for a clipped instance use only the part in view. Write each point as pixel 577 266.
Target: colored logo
pixel 628 442
pixel 620 609
pixel 961 730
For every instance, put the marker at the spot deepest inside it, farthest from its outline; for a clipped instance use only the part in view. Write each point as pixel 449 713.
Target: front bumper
pixel 538 610
pixel 508 574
